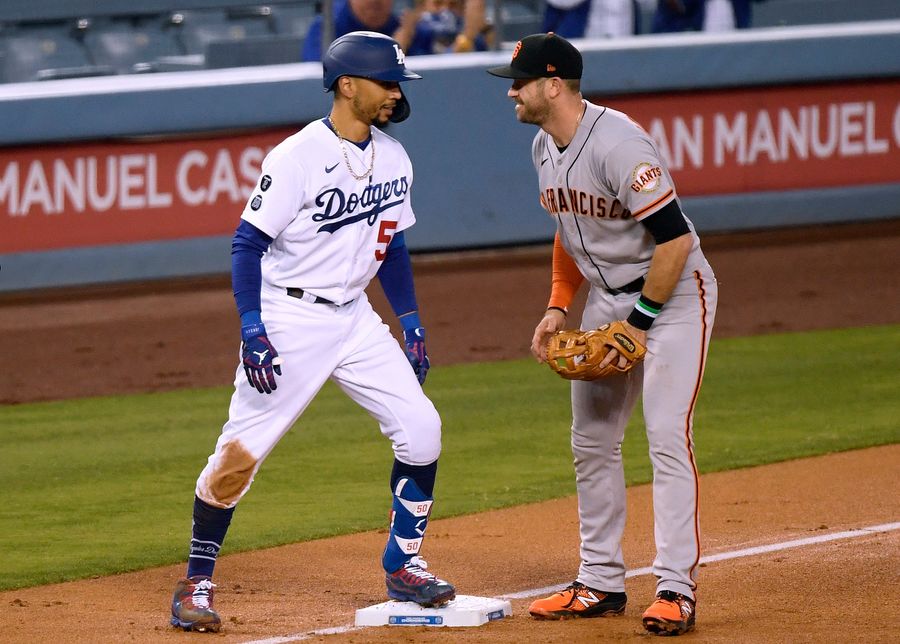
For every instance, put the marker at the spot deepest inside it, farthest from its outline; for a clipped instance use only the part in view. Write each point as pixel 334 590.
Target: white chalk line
pixel 638 572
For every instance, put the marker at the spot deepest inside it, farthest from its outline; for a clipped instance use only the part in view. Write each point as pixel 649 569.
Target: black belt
pixel 631 287
pixel 298 293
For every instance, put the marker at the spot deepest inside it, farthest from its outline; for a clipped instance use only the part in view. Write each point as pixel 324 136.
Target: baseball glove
pixel 576 355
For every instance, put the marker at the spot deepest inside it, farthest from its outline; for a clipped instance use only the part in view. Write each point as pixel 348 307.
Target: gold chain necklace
pixel 358 177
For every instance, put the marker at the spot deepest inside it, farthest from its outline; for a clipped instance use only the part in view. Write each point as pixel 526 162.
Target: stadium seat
pixel 179 63
pixel 196 29
pixel 256 50
pixel 47 53
pixel 519 18
pixel 128 48
pixel 806 12
pixel 293 20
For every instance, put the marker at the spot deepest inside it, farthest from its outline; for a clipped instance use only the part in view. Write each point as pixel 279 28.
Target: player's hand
pixel 553 321
pixel 613 354
pixel 415 352
pixel 261 360
pixel 405 33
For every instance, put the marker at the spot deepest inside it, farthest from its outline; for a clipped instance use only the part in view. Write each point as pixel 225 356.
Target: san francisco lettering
pixel 577 202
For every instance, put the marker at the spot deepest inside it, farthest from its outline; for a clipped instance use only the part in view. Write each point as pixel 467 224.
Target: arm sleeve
pixel 566 277
pixel 247 248
pixel 667 223
pixel 396 279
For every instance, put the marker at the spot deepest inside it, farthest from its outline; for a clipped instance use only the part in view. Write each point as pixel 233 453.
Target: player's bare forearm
pixel 405 33
pixel 665 271
pixel 666 267
pixel 474 18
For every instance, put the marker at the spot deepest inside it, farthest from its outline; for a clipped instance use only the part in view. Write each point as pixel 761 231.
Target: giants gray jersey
pixel 599 188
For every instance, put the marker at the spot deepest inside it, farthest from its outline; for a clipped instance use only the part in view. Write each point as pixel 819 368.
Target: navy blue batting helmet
pixel 368 54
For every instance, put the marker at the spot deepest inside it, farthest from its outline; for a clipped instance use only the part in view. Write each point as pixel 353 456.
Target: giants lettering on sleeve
pixel 578 202
pixel 646 177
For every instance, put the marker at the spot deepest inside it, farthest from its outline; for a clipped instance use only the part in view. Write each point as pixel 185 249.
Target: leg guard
pixel 409 517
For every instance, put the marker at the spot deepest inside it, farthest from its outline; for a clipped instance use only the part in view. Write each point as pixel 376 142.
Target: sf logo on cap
pixel 517 49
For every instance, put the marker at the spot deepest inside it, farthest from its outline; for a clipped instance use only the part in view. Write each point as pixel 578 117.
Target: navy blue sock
pixel 423 475
pixel 208 533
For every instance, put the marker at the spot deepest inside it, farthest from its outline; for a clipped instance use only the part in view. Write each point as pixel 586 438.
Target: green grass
pixel 105 485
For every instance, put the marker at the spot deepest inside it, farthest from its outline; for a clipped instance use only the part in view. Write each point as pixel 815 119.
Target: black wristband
pixel 558 308
pixel 644 313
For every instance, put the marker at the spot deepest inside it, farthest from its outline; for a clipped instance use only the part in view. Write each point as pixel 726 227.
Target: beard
pixel 370 114
pixel 535 114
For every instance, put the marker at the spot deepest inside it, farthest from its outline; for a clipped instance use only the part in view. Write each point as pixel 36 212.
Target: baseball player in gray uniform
pixel 326 216
pixel 620 228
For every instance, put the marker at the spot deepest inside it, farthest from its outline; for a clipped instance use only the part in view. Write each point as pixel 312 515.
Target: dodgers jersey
pixel 599 188
pixel 330 230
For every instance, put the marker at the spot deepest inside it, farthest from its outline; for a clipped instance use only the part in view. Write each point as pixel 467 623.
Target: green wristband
pixel 644 313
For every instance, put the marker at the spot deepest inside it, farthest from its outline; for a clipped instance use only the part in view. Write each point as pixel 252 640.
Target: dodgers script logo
pixel 374 199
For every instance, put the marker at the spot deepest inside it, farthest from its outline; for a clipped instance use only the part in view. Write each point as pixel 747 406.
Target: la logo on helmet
pixel 400 56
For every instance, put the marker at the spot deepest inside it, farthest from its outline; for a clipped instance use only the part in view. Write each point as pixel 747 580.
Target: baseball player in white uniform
pixel 327 215
pixel 620 228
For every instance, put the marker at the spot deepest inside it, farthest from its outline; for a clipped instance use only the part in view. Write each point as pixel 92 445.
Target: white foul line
pixel 638 572
pixel 734 554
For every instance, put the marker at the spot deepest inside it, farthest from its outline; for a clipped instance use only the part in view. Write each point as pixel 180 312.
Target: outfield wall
pixel 137 177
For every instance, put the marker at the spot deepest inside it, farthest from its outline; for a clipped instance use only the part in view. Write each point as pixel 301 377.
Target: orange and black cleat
pixel 578 600
pixel 671 614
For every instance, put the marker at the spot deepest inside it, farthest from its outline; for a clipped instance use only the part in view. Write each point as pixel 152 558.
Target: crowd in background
pixel 450 26
pixel 428 27
pixel 138 40
pixel 614 18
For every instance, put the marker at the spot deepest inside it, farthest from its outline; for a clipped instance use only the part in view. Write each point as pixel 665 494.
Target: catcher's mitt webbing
pixel 576 355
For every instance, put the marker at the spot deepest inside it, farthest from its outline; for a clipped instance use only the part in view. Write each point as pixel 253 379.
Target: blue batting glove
pixel 415 351
pixel 260 359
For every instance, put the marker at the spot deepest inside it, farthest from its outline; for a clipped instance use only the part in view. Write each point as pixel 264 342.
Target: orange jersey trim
pixel 566 277
pixel 649 209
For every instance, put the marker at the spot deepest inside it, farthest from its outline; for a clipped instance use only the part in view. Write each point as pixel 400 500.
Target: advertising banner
pixel 716 142
pixel 71 196
pixel 781 138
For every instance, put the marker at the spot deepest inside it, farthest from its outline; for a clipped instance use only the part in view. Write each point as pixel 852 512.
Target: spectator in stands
pixel 678 15
pixel 725 15
pixel 592 18
pixel 352 15
pixel 444 26
pixel 613 18
pixel 566 18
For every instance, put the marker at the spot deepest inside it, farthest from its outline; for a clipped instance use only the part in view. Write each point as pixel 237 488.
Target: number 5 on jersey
pixel 385 235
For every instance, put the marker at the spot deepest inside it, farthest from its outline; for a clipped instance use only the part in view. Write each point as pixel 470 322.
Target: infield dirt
pixel 483 306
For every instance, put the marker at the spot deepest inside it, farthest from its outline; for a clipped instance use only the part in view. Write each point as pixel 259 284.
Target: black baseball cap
pixel 542 56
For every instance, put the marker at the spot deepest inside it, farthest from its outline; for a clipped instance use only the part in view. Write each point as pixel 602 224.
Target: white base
pixel 465 610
